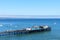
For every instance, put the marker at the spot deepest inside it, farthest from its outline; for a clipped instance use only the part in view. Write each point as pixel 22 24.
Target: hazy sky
pixel 29 7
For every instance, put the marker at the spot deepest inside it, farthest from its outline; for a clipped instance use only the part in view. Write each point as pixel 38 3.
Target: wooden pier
pixel 24 31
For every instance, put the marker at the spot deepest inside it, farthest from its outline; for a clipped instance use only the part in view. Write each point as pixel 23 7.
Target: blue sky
pixel 29 7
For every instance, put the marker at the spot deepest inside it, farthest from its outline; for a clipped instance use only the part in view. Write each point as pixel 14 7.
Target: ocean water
pixel 18 24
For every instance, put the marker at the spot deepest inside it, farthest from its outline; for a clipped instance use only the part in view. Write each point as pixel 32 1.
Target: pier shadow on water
pixel 30 36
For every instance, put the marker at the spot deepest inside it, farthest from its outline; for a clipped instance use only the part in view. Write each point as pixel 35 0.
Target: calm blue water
pixel 15 24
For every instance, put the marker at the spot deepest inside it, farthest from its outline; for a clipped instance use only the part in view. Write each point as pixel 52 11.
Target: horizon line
pixel 29 16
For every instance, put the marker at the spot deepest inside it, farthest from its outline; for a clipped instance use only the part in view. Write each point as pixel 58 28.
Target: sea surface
pixel 18 24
